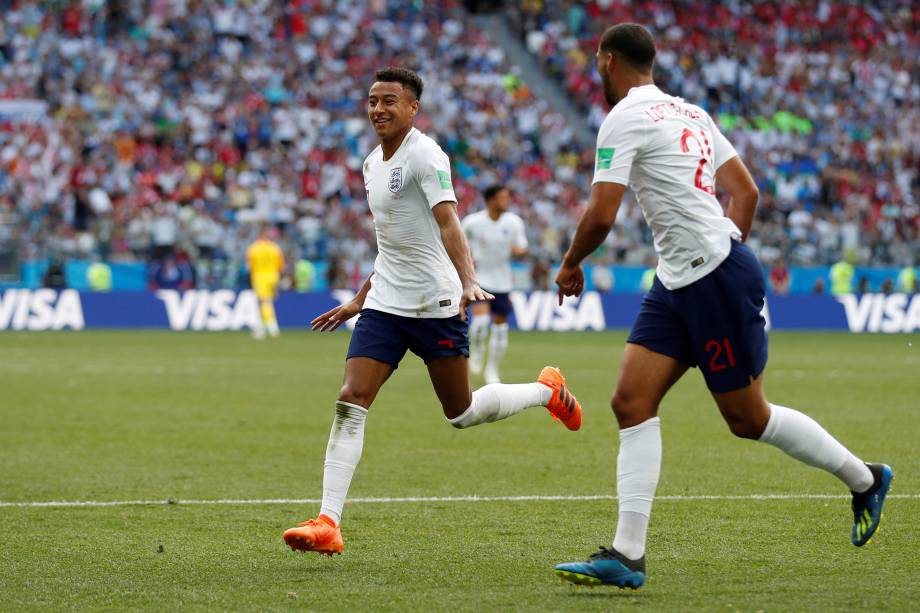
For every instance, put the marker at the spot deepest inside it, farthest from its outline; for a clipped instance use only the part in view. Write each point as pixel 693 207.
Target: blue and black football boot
pixel 867 506
pixel 605 567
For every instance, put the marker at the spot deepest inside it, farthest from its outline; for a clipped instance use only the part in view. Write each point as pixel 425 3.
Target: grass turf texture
pixel 148 415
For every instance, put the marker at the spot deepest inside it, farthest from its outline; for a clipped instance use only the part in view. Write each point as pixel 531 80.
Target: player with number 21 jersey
pixel 704 308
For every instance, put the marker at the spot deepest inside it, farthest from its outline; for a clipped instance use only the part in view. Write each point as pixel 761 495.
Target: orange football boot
pixel 317 535
pixel 562 404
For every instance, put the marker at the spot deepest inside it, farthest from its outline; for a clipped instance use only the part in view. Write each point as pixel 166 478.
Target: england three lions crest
pixel 396 178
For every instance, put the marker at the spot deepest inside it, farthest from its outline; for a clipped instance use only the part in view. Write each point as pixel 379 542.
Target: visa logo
pixel 881 312
pixel 541 311
pixel 41 309
pixel 221 309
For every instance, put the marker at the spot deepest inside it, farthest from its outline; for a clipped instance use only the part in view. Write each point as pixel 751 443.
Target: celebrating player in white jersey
pixel 415 299
pixel 496 235
pixel 704 308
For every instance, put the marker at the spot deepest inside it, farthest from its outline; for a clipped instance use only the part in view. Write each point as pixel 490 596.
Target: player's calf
pixel 499 401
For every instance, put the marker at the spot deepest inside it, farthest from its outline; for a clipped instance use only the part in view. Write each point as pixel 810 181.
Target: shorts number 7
pixel 704 152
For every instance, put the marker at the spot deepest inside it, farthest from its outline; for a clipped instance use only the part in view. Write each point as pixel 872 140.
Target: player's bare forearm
pixel 595 224
pixel 588 236
pixel 458 250
pixel 741 211
pixel 733 176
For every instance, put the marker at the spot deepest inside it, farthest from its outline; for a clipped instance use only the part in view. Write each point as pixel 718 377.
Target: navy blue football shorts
pixel 715 323
pixel 386 337
pixel 501 305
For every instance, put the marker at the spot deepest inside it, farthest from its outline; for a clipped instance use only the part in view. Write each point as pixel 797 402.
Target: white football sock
pixel 498 342
pixel 638 467
pixel 479 331
pixel 342 455
pixel 500 400
pixel 805 440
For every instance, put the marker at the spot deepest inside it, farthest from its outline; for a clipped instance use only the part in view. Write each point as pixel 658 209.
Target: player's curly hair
pixel 631 42
pixel 408 78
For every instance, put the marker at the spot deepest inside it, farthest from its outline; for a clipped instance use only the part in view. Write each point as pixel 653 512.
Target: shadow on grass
pixel 609 593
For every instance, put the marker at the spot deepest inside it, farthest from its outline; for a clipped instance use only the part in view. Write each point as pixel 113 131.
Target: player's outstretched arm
pixel 593 228
pixel 333 318
pixel 733 176
pixel 458 250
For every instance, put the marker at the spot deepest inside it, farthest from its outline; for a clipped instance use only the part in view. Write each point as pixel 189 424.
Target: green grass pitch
pixel 115 416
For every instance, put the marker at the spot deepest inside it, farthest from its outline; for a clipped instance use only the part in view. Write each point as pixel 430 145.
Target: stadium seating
pixel 156 129
pixel 820 98
pixel 168 129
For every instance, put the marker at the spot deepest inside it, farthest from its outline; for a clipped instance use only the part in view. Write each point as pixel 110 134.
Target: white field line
pixel 421 499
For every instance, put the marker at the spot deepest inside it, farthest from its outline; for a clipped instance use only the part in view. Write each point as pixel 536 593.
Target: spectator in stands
pixel 171 273
pixel 164 231
pixel 54 277
pixel 780 279
pixel 842 274
pixel 907 280
pixel 336 276
pixel 137 117
pixel 887 286
pixel 304 273
pixel 540 273
pixel 99 276
pixel 819 286
pixel 818 98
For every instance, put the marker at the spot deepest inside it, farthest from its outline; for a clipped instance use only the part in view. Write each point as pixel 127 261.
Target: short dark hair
pixel 407 78
pixel 492 191
pixel 631 42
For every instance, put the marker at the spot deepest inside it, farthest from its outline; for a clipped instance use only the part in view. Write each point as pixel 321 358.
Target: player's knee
pixel 745 426
pixel 630 410
pixel 747 419
pixel 353 394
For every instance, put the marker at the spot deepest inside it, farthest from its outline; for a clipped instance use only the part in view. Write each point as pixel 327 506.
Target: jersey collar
pixel 401 146
pixel 641 91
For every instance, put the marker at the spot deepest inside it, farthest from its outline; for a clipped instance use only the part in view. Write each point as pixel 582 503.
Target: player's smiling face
pixel 390 108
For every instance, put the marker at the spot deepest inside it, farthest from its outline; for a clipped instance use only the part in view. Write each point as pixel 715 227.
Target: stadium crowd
pixel 168 130
pixel 173 128
pixel 821 98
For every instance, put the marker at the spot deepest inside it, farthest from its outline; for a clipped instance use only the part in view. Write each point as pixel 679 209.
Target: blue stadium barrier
pixel 45 309
pixel 627 279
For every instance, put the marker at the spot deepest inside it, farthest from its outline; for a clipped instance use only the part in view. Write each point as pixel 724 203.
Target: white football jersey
pixel 668 151
pixel 413 275
pixel 490 243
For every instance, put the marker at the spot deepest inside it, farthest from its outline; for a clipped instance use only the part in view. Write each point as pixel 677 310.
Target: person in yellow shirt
pixel 842 274
pixel 265 261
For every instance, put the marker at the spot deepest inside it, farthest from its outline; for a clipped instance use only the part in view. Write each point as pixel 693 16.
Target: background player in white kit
pixel 704 308
pixel 496 235
pixel 415 299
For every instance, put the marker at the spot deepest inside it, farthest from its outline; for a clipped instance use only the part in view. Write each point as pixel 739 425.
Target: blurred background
pixel 143 142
